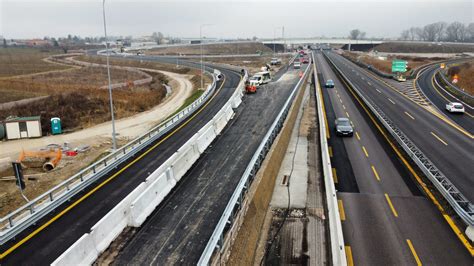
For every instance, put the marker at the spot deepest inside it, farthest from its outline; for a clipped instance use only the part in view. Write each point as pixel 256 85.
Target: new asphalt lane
pixel 386 219
pixel 48 243
pixel 179 229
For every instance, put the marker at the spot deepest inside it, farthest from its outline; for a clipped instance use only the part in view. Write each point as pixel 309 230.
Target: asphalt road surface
pixel 178 231
pixel 448 147
pixel 440 98
pixel 386 220
pixel 44 247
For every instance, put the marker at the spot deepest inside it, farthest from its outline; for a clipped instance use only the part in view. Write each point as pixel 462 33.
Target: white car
pixel 297 65
pixel 454 107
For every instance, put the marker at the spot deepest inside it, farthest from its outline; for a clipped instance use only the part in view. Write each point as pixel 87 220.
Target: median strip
pixel 391 205
pixel 440 139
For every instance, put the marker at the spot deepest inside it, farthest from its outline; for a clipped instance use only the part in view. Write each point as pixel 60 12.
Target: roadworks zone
pixel 241 242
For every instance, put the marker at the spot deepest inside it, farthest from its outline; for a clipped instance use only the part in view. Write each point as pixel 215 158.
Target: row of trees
pixel 440 31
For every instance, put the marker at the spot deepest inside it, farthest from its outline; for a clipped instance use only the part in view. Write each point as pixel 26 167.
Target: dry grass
pixel 135 63
pixel 466 77
pixel 410 47
pixel 213 49
pixel 21 61
pixel 386 65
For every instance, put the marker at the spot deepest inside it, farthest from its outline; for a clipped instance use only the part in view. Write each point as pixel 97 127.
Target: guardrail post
pixel 51 196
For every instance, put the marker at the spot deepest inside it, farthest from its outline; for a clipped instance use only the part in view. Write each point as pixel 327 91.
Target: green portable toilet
pixel 56 125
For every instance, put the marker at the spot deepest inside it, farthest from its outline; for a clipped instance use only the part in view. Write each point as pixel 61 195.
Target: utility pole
pixel 114 142
pixel 200 44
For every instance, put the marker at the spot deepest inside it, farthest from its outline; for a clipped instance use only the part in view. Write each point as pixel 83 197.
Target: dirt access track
pixel 127 128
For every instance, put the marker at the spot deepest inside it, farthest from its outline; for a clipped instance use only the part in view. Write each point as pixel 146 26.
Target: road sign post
pixel 20 182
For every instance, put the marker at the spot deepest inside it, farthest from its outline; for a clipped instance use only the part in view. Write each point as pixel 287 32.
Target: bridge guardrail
pixel 461 205
pixel 17 221
pixel 233 206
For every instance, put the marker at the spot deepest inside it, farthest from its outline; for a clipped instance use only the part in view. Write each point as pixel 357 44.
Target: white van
pixel 261 78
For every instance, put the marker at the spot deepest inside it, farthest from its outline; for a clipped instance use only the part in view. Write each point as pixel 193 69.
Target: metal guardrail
pixel 235 202
pixel 461 205
pixel 20 219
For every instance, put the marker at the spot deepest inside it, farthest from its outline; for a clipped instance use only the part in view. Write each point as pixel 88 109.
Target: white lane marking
pixel 378 90
pixel 409 115
pixel 370 84
pixel 391 101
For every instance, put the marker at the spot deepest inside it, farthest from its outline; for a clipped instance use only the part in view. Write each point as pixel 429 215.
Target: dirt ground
pixel 386 65
pixel 96 137
pixel 213 49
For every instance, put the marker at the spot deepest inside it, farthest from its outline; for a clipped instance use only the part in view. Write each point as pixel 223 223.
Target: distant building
pixel 135 44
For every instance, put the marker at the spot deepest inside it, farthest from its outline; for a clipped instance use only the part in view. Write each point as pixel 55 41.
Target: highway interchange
pixel 386 215
pixel 386 219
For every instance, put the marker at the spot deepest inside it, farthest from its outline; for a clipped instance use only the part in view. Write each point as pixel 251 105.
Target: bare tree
pixel 420 33
pixel 157 37
pixel 470 32
pixel 430 32
pixel 405 35
pixel 356 34
pixel 440 30
pixel 412 33
pixel 456 31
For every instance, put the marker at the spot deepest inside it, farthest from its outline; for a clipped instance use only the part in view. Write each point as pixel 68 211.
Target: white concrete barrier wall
pixel 206 136
pixel 142 201
pixel 146 203
pixel 113 223
pixel 82 252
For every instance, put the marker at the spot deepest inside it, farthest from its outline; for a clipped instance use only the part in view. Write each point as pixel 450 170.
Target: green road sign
pixel 399 66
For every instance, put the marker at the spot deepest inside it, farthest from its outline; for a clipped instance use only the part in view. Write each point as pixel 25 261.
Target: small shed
pixel 23 127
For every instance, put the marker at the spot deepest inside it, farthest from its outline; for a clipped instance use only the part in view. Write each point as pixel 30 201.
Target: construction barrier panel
pixel 146 203
pixel 82 252
pixel 206 136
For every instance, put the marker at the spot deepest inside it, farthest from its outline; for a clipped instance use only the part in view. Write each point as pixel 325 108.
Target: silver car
pixel 343 127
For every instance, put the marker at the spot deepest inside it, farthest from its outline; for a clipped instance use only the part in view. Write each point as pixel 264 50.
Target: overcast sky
pixel 230 19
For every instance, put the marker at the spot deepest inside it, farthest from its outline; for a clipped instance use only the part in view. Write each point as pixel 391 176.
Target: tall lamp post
pixel 114 142
pixel 200 44
pixel 274 36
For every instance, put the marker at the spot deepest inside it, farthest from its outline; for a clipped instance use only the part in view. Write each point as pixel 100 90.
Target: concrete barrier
pixel 82 252
pixel 187 155
pixel 141 202
pixel 206 135
pixel 146 203
pixel 113 223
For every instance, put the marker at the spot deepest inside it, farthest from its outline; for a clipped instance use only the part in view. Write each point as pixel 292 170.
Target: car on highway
pixel 343 127
pixel 329 83
pixel 454 107
pixel 296 64
pixel 260 78
pixel 305 60
pixel 275 61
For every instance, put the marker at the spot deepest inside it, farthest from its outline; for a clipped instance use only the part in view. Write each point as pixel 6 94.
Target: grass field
pixel 214 49
pixel 21 61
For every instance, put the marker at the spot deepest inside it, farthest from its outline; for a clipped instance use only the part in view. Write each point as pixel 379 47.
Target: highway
pixel 51 236
pixel 447 145
pixel 178 231
pixel 386 219
pixel 439 97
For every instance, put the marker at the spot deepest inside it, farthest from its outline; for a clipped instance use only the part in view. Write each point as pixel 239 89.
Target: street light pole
pixel 200 44
pixel 114 142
